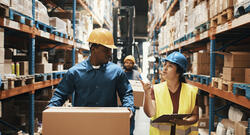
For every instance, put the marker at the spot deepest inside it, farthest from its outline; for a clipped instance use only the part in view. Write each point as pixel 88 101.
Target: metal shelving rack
pixel 237 25
pixel 33 32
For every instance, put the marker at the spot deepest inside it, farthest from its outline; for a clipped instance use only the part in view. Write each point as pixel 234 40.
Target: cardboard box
pixel 198 68
pixel 24 67
pixel 227 123
pixel 5 2
pixel 138 92
pixel 247 75
pixel 241 128
pixel 234 74
pixel 237 59
pixel 203 122
pixel 203 58
pixel 2 55
pixel 42 57
pixel 86 121
pixel 43 68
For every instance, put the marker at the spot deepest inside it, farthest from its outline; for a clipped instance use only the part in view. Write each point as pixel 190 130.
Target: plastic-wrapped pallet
pixel 5 2
pixel 213 4
pixel 17 5
pixel 68 26
pixel 202 13
pixel 59 24
pixel 27 7
pixel 190 17
pixel 41 13
pixel 79 32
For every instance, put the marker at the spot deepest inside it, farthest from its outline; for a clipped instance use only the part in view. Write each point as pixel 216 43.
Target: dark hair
pixel 180 71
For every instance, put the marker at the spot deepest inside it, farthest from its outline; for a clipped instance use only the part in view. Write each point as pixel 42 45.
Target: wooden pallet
pixel 222 84
pixel 19 17
pixel 43 77
pixel 242 89
pixel 222 17
pixel 202 28
pixel 18 81
pixel 44 27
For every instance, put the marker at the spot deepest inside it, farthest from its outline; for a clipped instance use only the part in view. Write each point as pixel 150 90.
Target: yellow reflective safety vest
pixel 164 105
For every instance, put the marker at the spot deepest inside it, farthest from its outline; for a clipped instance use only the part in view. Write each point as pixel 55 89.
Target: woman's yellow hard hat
pixel 103 37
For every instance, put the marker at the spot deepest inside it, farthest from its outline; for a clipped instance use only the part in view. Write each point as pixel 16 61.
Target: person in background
pixel 129 63
pixel 172 96
pixel 96 81
pixel 132 74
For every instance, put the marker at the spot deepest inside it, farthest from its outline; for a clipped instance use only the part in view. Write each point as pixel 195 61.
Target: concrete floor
pixel 142 123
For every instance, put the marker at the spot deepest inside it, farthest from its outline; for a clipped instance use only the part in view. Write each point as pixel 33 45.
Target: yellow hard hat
pixel 129 57
pixel 103 37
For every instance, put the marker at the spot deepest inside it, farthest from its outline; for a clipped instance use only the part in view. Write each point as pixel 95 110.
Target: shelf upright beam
pixel 211 113
pixel 74 32
pixel 212 74
pixel 74 37
pixel 212 57
pixel 32 72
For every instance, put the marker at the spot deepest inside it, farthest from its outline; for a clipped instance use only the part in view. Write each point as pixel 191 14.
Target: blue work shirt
pixel 94 87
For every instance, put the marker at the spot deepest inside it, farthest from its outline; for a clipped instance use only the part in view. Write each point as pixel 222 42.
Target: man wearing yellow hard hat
pixel 96 80
pixel 129 63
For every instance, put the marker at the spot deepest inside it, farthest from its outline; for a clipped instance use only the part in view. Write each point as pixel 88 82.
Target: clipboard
pixel 166 118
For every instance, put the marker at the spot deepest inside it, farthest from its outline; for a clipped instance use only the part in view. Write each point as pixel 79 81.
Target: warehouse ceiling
pixel 140 23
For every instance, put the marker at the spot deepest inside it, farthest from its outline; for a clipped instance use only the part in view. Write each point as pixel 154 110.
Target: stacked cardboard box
pixel 234 66
pixel 247 75
pixel 83 120
pixel 138 92
pixel 201 63
pixel 59 24
pixel 42 65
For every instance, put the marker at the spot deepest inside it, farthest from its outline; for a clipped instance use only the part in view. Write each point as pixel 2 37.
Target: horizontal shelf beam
pixel 241 100
pixel 7 23
pixel 27 88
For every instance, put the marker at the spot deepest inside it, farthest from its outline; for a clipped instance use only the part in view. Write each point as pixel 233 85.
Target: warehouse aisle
pixel 141 123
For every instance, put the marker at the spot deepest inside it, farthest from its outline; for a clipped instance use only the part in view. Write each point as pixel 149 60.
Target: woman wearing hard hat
pixel 172 96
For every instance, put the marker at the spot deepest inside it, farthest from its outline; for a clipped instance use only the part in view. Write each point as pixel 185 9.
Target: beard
pixel 128 69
